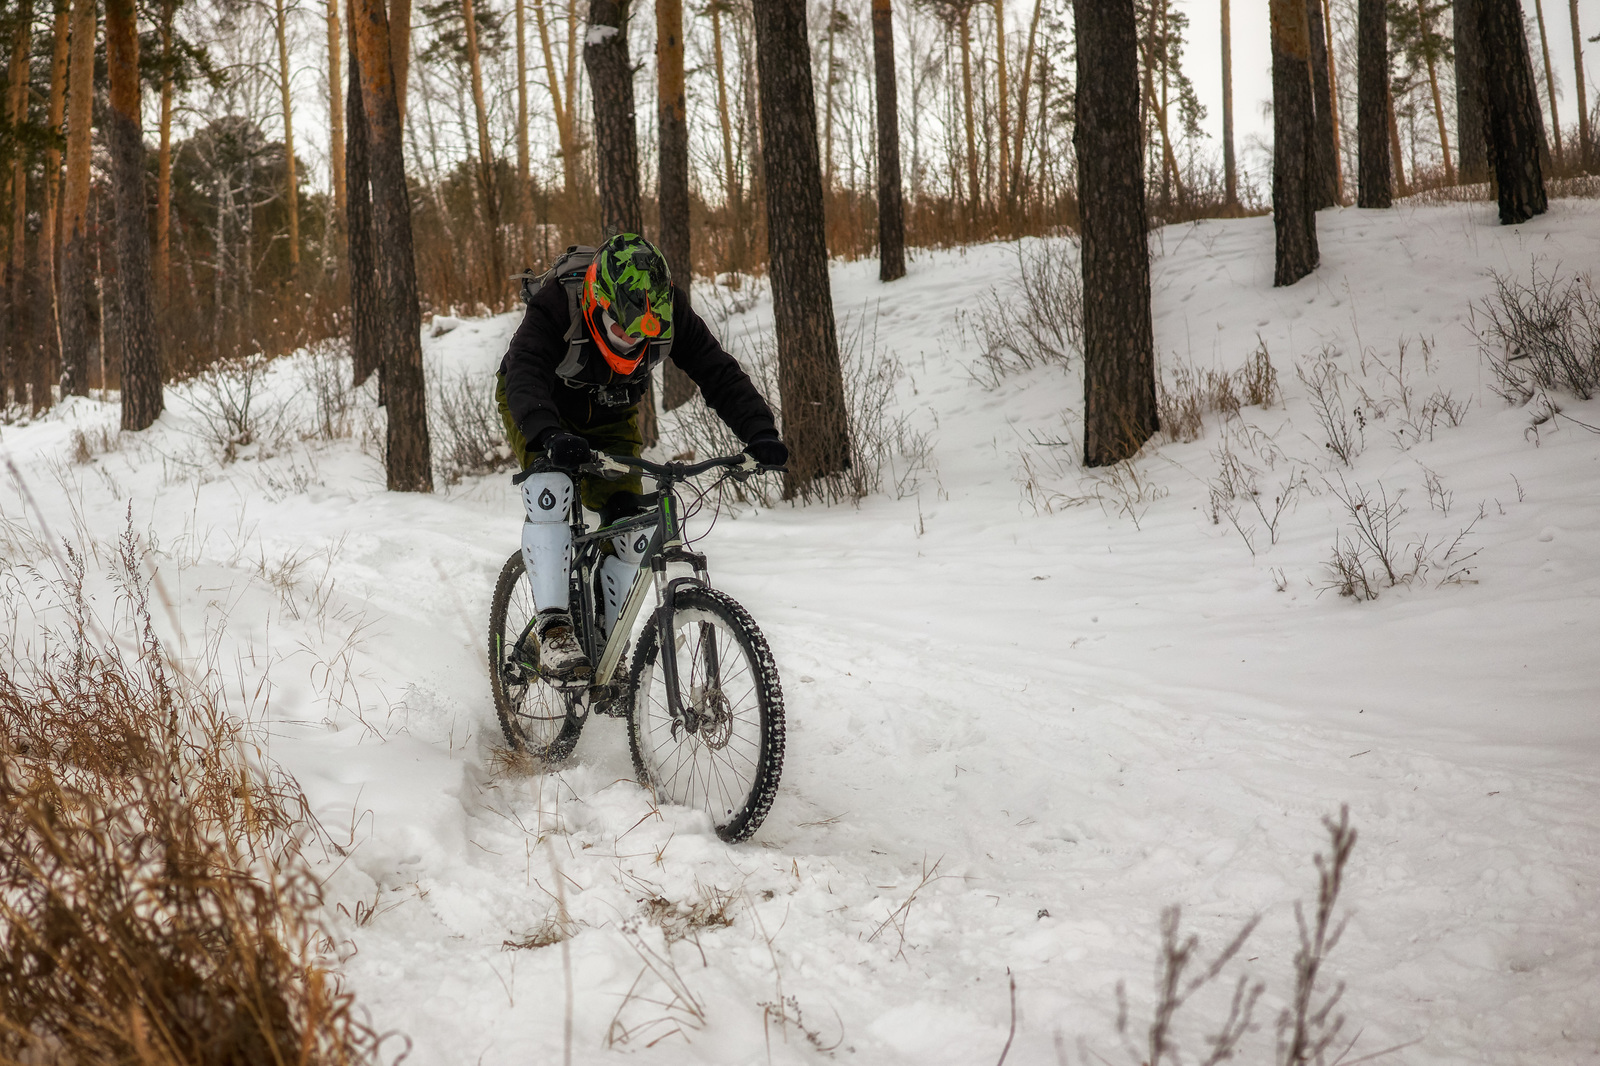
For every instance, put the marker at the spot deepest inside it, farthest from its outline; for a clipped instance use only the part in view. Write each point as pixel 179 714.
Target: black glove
pixel 767 450
pixel 566 451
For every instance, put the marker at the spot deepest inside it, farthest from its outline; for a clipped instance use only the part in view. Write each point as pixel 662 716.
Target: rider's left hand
pixel 767 449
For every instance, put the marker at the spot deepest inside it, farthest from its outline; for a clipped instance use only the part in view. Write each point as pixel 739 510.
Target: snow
pixel 1019 726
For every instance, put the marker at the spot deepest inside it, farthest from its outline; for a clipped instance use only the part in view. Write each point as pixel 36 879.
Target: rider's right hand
pixel 566 451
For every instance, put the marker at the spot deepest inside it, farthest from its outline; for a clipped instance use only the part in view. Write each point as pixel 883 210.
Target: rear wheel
pixel 725 754
pixel 537 717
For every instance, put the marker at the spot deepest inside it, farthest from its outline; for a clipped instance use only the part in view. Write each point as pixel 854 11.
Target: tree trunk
pixel 291 183
pixel 336 148
pixel 399 319
pixel 487 185
pixel 48 353
pixel 1002 104
pixel 616 142
pixel 1471 102
pixel 891 206
pixel 730 175
pixel 77 331
pixel 15 357
pixel 1372 113
pixel 672 192
pixel 1119 387
pixel 141 361
pixel 1585 147
pixel 1230 169
pixel 1333 102
pixel 359 240
pixel 400 55
pixel 827 101
pixel 1433 83
pixel 563 113
pixel 1395 154
pixel 1294 156
pixel 1549 82
pixel 1513 127
pixel 816 421
pixel 1020 134
pixel 163 257
pixel 524 173
pixel 965 29
pixel 1324 178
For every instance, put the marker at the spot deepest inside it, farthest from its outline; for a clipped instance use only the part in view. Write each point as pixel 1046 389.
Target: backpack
pixel 569 269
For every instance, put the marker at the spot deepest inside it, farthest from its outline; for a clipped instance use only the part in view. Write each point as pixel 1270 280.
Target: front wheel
pixel 725 753
pixel 537 717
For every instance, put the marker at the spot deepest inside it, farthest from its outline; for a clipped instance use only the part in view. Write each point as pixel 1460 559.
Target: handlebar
pixel 612 467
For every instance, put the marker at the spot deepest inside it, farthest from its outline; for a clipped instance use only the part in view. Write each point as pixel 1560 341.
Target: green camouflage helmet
pixel 630 280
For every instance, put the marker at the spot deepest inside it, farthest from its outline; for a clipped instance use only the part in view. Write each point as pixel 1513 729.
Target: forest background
pixel 246 265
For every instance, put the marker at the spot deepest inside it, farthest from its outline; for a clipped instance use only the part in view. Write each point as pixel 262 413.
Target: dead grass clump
pixel 1191 393
pixel 326 375
pixel 1370 558
pixel 93 441
pixel 1040 321
pixel 154 906
pixel 469 440
pixel 1542 336
pixel 678 921
pixel 235 406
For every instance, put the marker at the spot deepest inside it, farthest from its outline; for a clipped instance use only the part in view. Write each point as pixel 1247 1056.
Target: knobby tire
pixel 733 776
pixel 538 718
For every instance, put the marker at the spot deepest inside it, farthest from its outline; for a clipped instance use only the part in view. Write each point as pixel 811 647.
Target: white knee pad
pixel 617 572
pixel 547 538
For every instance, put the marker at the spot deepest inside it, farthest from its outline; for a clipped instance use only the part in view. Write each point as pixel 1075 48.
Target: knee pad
pixel 630 546
pixel 547 539
pixel 547 497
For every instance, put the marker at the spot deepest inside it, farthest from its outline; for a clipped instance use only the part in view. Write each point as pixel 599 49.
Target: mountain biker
pixel 570 383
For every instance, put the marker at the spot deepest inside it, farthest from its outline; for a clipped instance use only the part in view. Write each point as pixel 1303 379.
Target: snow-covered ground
pixel 1029 707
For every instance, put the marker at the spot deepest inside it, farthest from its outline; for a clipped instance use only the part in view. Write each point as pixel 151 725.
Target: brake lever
pixel 602 465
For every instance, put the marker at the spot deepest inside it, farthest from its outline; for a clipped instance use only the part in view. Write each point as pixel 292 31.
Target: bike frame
pixel 664 548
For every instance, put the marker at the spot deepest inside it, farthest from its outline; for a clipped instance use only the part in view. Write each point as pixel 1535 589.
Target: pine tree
pixel 891 207
pixel 672 193
pixel 1325 175
pixel 141 360
pixel 1119 393
pixel 1471 94
pixel 399 319
pixel 1294 201
pixel 1374 180
pixel 77 334
pixel 1513 127
pixel 816 421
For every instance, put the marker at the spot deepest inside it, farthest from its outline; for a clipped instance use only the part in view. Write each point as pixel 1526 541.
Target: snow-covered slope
pixel 1029 706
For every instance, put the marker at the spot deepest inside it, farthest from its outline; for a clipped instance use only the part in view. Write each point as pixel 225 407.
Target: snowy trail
pixel 1070 721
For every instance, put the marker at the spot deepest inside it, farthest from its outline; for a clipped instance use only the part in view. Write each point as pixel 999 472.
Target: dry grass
pixel 469 440
pixel 154 904
pixel 1188 393
pixel 1039 322
pixel 1542 337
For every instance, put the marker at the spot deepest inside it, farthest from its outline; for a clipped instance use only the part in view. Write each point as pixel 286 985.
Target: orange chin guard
pixel 618 362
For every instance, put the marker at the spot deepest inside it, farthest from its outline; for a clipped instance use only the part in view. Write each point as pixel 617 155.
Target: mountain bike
pixel 702 698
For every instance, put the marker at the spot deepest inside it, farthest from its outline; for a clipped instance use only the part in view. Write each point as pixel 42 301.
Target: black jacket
pixel 540 399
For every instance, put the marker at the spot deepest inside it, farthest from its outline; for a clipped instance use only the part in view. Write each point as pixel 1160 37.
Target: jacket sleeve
pixel 724 384
pixel 529 366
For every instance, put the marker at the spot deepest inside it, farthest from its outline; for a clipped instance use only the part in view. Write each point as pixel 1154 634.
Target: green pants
pixel 620 437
